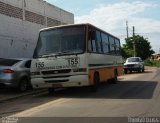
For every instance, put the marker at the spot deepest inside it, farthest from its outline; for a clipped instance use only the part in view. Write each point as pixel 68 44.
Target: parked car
pixel 15 73
pixel 133 64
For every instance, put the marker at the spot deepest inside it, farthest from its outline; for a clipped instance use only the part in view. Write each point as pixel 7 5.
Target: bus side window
pixel 112 45
pixel 94 46
pixel 90 49
pixel 105 43
pixel 92 42
pixel 99 42
pixel 117 46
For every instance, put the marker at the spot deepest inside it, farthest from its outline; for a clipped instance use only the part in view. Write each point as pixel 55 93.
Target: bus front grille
pixel 56 81
pixel 49 77
pixel 56 71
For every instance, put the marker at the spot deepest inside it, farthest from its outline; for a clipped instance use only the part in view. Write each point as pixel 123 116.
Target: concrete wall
pixel 20 22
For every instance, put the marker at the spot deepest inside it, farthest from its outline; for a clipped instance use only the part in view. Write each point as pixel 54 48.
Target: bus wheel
pixel 115 79
pixel 51 91
pixel 95 82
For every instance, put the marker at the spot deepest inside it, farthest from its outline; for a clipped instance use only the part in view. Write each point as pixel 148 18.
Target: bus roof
pixel 69 25
pixel 59 26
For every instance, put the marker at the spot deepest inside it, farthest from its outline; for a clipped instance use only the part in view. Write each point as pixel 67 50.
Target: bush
pixel 152 63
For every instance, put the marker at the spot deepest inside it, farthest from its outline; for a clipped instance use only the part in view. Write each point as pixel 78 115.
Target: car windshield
pixel 133 59
pixel 8 62
pixel 60 41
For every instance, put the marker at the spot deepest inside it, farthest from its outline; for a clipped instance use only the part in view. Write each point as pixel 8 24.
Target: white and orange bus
pixel 74 56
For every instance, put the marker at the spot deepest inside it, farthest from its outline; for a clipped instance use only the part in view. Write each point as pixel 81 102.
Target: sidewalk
pixel 10 94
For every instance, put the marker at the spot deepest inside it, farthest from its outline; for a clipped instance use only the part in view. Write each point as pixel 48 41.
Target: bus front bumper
pixel 72 81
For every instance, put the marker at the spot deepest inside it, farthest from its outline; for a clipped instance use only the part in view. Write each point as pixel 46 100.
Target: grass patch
pixel 152 63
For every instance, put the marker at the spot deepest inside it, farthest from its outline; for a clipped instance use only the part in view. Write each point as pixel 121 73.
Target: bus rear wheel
pixel 115 79
pixel 95 82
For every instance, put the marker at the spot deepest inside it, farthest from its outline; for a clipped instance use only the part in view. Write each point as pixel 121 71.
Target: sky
pixel 111 16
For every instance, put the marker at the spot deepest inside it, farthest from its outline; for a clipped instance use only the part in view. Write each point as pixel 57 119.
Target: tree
pixel 143 47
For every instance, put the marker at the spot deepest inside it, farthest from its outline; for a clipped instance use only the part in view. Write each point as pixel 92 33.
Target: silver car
pixel 134 64
pixel 15 73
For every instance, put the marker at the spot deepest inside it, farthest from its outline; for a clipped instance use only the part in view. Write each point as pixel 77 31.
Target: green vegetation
pixel 152 63
pixel 143 50
pixel 143 47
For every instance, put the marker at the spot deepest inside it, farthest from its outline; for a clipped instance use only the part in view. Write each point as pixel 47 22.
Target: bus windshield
pixel 61 41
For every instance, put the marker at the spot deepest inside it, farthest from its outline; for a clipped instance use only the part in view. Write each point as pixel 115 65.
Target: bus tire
pixel 115 79
pixel 95 82
pixel 51 91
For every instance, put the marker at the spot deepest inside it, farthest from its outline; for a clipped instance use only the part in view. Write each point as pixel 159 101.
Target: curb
pixel 22 95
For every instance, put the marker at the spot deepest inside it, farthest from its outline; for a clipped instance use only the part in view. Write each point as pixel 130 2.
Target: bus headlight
pixel 80 70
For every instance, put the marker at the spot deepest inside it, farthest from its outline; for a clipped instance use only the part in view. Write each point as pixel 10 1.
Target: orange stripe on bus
pixel 104 73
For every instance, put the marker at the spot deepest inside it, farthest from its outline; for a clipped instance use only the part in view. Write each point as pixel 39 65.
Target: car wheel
pixel 23 85
pixel 143 69
pixel 140 70
pixel 125 71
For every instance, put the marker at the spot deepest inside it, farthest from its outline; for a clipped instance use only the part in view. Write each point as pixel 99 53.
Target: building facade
pixel 20 22
pixel 155 57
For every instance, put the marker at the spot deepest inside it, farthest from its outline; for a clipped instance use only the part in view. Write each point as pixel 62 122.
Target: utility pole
pixel 134 43
pixel 127 28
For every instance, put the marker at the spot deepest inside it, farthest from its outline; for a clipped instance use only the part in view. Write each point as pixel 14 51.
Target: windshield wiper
pixel 69 52
pixel 47 55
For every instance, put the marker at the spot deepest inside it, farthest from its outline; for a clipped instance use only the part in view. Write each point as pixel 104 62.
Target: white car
pixel 133 64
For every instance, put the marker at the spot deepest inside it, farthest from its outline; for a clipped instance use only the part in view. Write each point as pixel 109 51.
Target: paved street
pixel 135 95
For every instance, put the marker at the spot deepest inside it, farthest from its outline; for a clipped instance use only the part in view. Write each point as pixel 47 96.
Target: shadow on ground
pixel 145 72
pixel 122 90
